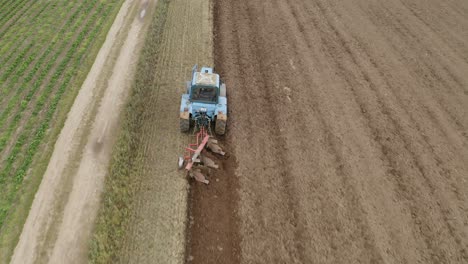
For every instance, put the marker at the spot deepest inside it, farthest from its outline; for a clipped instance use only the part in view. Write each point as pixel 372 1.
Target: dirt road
pixel 348 121
pixel 59 224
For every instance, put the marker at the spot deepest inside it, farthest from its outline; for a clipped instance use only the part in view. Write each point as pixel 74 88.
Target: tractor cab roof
pixel 205 77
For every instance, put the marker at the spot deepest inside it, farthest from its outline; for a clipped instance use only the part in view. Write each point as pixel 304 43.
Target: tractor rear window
pixel 205 94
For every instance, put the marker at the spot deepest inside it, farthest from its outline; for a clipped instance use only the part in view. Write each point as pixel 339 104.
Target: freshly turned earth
pixel 347 134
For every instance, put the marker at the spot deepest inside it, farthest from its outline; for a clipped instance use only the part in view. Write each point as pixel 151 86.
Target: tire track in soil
pixel 333 143
pixel 389 151
pixel 428 143
pixel 295 10
pixel 264 90
pixel 445 35
pixel 414 61
pixel 415 42
pixel 286 188
pixel 436 109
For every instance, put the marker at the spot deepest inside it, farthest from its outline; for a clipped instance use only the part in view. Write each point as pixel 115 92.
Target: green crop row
pixel 15 33
pixel 17 195
pixel 14 65
pixel 64 73
pixel 7 8
pixel 13 102
pixel 13 21
pixel 12 11
pixel 3 3
pixel 17 64
pixel 40 101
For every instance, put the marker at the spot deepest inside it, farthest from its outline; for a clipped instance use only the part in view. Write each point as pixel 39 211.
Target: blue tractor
pixel 204 104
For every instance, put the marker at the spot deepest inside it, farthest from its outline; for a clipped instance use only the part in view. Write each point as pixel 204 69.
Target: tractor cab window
pixel 205 94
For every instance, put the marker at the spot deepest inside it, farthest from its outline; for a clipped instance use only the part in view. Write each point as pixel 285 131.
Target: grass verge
pixel 120 188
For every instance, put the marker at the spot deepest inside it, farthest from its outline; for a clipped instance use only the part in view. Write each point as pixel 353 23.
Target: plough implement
pixel 203 106
pixel 194 152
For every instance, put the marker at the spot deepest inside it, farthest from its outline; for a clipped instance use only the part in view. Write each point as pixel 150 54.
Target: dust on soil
pixel 59 224
pixel 348 122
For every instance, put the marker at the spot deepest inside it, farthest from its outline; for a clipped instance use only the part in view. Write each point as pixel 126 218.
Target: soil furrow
pixel 429 76
pixel 418 164
pixel 367 139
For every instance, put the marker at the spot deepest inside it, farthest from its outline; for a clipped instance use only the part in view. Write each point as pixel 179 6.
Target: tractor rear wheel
pixel 184 125
pixel 220 127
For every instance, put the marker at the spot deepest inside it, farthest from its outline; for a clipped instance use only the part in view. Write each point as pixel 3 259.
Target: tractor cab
pixel 205 97
pixel 204 94
pixel 204 87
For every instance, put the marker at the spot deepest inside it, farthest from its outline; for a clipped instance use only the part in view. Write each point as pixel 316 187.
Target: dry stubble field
pixel 145 202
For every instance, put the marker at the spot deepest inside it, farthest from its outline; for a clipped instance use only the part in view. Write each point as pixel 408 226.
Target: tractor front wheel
pixel 184 125
pixel 220 127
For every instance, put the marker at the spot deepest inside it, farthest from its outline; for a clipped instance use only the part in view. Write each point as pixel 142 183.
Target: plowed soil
pixel 348 122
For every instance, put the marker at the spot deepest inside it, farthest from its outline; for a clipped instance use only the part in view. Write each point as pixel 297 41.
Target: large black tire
pixel 184 125
pixel 222 90
pixel 220 127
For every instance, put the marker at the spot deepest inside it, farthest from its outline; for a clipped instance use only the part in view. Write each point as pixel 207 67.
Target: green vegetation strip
pixel 36 28
pixel 13 102
pixel 119 186
pixel 36 165
pixel 11 12
pixel 3 3
pixel 13 72
pixel 10 68
pixel 15 20
pixel 18 34
pixel 81 44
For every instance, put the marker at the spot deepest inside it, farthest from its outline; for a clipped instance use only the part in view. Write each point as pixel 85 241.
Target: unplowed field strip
pixel 157 229
pixel 349 124
pixel 144 214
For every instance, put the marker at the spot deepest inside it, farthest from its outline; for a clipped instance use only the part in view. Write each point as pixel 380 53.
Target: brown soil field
pixel 347 132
